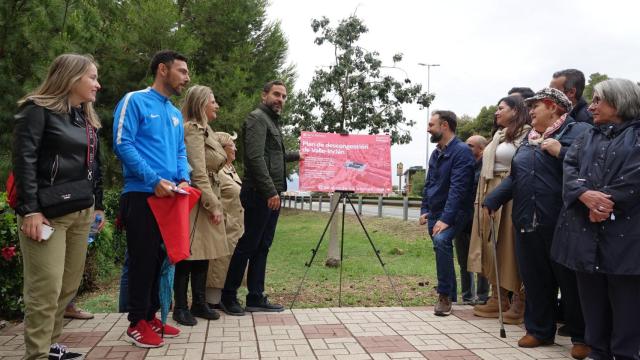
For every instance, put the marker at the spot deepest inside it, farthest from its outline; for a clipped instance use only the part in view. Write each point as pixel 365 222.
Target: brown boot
pixel 515 314
pixel 580 351
pixel 490 309
pixel 530 341
pixel 443 306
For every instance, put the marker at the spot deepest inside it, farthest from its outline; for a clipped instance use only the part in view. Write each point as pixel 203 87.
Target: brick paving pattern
pixel 324 334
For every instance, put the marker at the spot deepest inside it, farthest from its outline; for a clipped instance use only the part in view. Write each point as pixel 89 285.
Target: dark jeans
pixel 145 256
pixel 461 243
pixel 541 277
pixel 443 247
pixel 253 247
pixel 124 285
pixel 610 307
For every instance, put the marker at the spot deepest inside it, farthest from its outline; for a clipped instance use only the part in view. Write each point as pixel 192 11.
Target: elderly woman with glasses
pixel 535 185
pixel 230 184
pixel 598 234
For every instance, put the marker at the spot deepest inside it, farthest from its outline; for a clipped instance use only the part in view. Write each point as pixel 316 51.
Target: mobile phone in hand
pixel 46 232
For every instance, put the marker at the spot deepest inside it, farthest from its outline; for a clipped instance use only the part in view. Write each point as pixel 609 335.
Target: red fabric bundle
pixel 172 216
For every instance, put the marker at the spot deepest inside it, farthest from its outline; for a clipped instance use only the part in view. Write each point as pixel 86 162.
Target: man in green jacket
pixel 264 179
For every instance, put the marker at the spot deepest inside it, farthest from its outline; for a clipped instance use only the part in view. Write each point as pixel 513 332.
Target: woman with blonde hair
pixel 512 120
pixel 55 148
pixel 208 237
pixel 230 184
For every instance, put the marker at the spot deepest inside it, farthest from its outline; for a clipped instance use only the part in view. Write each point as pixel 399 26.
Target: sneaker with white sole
pixel 61 352
pixel 164 330
pixel 142 335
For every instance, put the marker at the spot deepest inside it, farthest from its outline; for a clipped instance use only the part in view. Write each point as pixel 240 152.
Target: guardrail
pixel 322 202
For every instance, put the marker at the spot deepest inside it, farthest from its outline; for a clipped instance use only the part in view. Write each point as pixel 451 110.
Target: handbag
pixel 66 198
pixel 63 199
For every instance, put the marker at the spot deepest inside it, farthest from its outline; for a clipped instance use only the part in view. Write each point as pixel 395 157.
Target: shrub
pixel 106 254
pixel 12 303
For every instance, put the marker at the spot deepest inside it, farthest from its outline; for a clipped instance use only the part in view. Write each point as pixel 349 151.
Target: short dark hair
pixel 267 87
pixel 525 92
pixel 166 57
pixel 449 117
pixel 574 79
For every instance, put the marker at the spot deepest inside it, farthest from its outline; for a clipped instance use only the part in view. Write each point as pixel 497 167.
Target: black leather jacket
pixel 49 149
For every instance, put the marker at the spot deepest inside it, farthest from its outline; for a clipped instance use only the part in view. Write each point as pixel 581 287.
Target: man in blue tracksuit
pixel 148 139
pixel 447 200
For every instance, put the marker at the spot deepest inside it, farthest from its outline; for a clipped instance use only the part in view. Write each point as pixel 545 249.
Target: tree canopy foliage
pixel 231 48
pixel 355 93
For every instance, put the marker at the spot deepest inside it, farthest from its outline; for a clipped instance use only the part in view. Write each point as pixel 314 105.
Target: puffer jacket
pixel 535 181
pixel 49 149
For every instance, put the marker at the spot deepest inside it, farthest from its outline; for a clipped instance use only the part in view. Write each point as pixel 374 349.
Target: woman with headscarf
pixel 535 185
pixel 598 233
pixel 207 235
pixel 512 120
pixel 55 147
pixel 230 184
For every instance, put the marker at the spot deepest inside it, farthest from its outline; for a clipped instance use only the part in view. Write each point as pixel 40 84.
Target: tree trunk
pixel 333 253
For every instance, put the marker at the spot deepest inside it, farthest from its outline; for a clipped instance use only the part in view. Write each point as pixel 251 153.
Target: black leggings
pixel 198 270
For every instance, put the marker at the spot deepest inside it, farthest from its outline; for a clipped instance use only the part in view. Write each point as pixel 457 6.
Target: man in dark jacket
pixel 571 82
pixel 447 202
pixel 264 179
pixel 477 144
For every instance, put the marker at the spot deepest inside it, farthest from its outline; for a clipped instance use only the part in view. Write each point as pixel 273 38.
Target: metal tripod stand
pixel 344 198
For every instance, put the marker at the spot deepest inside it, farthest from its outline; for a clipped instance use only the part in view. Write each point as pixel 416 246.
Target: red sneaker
pixel 143 336
pixel 169 331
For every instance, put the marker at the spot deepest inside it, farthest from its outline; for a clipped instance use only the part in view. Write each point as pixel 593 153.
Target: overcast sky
pixel 484 47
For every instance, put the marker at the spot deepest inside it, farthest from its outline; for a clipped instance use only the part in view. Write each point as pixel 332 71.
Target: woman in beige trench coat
pixel 230 184
pixel 512 119
pixel 207 235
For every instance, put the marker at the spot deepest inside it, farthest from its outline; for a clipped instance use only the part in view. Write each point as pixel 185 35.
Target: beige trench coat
pixel 206 157
pixel 230 184
pixel 480 258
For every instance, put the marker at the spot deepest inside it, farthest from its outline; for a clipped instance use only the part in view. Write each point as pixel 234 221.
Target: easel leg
pixel 314 251
pixel 375 250
pixel 343 197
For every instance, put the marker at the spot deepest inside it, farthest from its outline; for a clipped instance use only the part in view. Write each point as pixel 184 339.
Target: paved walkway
pixel 333 333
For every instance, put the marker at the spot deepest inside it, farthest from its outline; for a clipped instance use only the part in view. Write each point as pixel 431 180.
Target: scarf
pixel 535 137
pixel 489 154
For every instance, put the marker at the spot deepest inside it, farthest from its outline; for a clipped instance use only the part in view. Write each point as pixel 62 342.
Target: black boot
pixel 181 312
pixel 199 306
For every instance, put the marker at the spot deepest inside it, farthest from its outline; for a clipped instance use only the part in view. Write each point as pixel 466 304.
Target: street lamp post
pixel 428 66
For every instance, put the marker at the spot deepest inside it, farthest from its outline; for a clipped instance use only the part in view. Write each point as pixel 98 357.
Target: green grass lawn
pixel 404 248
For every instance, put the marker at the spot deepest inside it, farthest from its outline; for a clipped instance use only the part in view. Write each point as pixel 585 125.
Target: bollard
pixel 379 205
pixel 295 202
pixel 310 202
pixel 320 203
pixel 360 205
pixel 405 208
pixel 289 197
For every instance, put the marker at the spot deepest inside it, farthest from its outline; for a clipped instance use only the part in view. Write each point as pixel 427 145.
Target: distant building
pixel 407 177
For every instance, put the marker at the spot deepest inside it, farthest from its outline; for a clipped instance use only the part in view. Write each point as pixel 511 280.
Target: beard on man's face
pixel 435 137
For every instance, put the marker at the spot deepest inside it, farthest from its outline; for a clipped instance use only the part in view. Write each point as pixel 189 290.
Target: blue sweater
pixel 148 137
pixel 448 191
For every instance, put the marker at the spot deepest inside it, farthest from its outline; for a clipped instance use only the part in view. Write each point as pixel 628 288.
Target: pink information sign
pixel 359 163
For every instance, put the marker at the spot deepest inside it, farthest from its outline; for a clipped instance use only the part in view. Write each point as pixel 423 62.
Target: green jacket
pixel 264 154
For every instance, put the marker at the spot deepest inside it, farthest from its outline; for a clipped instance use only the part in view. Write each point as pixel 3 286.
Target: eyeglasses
pixel 596 100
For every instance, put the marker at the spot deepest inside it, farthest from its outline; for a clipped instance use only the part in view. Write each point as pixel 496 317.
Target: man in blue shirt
pixel 148 139
pixel 447 200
